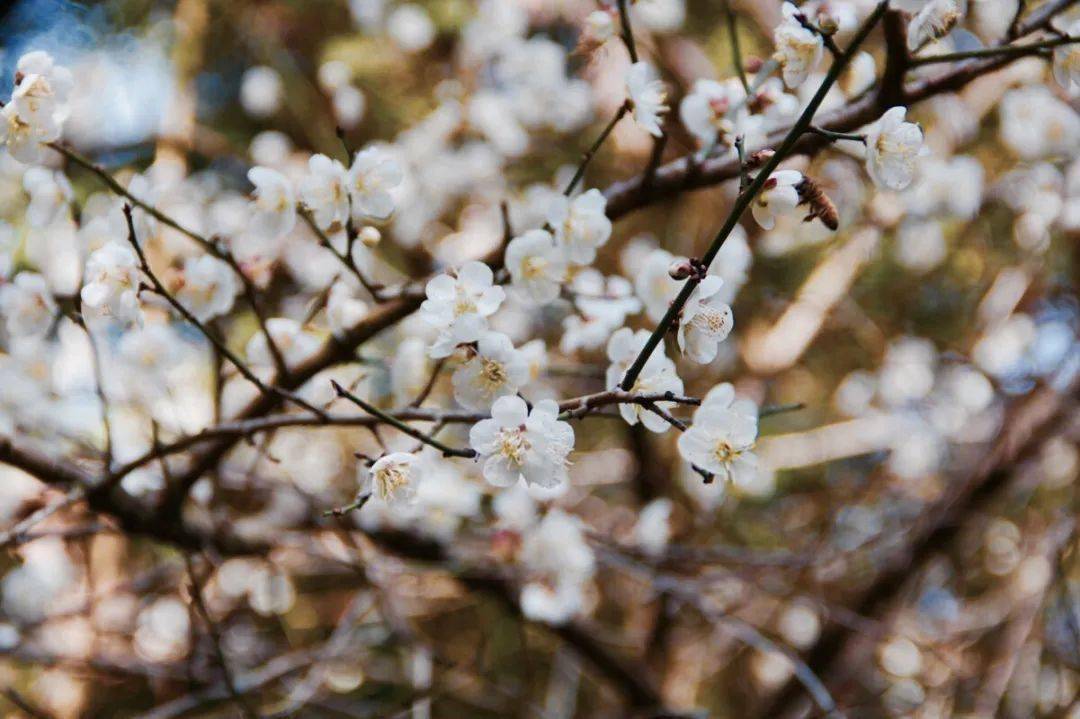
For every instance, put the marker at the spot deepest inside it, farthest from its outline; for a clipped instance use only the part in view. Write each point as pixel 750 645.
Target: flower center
pixel 513 445
pixel 389 479
pixel 492 373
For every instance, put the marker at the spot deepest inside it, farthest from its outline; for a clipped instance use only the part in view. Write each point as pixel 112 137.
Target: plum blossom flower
pixel 707 112
pixel 559 562
pixel 343 308
pixel 1067 62
pixel 653 528
pixel 112 282
pixel 647 96
pixel 603 305
pixel 38 106
pixel 706 321
pixel 373 174
pixel 261 91
pixel 581 225
pixel 50 192
pixel 893 147
pixel 393 478
pixel 274 206
pixel 208 287
pixel 27 305
pixel 325 191
pixel 459 306
pixel 536 265
pixel 494 370
pixel 654 284
pixel 42 86
pixel 658 375
pixel 598 28
pixel 722 436
pixel 777 197
pixel 516 444
pixel 798 49
pixel 24 135
pixel 933 20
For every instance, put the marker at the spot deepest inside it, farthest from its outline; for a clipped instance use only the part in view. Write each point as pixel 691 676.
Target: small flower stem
pixel 740 148
pixel 627 31
pixel 1004 50
pixel 742 203
pixel 346 260
pixel 736 51
pixel 397 423
pixel 834 136
pixel 591 152
pixel 771 410
pixel 356 504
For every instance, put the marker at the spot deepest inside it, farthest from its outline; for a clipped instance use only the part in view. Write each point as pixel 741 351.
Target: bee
pixel 819 203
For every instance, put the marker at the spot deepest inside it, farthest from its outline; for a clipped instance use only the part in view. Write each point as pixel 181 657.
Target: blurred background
pixel 909 542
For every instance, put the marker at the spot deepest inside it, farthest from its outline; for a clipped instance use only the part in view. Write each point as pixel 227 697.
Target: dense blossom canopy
pixel 458 351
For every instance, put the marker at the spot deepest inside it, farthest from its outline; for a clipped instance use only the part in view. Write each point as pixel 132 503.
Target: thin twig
pixel 400 425
pixel 744 200
pixel 215 640
pixel 591 152
pixel 221 347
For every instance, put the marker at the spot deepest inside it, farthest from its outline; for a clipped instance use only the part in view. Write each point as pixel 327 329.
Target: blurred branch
pixel 1025 427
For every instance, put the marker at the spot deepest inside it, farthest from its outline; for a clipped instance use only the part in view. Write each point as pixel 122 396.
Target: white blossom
pixel 27 305
pixel 274 206
pixel 459 306
pixel 581 225
pixel 42 87
pixel 603 305
pixel 24 135
pixel 392 478
pixel 111 282
pixel 208 287
pixel 798 49
pixel 709 112
pixel 325 192
pixel 410 27
pixel 934 20
pixel 706 321
pixel 495 369
pixel 261 91
pixel 657 375
pixel 559 562
pixel 778 197
pixel 536 265
pixel 38 106
pixel 343 308
pixel 373 174
pixel 599 27
pixel 516 444
pixel 50 192
pixel 721 438
pixel 647 95
pixel 654 285
pixel 893 147
pixel 653 529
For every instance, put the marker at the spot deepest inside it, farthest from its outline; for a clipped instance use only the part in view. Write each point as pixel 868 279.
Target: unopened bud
pixel 759 158
pixel 753 64
pixel 827 24
pixel 369 236
pixel 680 269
